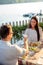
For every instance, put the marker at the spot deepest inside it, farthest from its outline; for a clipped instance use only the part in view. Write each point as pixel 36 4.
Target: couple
pixel 9 53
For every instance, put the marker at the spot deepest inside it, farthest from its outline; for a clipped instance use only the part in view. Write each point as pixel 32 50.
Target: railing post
pixel 10 23
pixel 23 22
pixel 26 22
pixel 13 23
pixel 19 23
pixel 2 24
pixel 16 23
pixel 6 23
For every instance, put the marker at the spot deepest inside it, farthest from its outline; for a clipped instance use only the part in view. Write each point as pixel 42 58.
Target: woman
pixel 34 31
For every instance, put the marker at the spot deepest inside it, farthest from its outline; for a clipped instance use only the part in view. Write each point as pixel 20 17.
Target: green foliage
pixel 18 31
pixel 41 25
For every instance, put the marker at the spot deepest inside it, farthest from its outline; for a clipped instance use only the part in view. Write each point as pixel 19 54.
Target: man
pixel 9 53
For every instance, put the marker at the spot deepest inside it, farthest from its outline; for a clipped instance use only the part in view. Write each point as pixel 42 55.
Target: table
pixel 29 61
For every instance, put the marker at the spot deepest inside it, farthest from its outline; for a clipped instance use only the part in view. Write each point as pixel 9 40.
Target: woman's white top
pixel 9 53
pixel 32 34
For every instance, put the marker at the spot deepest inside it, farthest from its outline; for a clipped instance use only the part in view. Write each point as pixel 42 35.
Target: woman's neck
pixel 33 28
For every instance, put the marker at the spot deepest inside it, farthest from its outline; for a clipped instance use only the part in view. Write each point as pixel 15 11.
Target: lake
pixel 14 12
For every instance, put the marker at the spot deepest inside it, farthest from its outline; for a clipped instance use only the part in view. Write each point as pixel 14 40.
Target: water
pixel 14 12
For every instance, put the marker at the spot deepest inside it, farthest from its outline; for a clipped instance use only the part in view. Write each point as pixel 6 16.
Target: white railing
pixel 17 23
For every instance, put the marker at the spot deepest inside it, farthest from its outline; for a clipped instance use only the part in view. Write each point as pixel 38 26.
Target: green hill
pixel 17 1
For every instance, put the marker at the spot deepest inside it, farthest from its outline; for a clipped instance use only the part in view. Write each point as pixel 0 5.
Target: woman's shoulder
pixel 27 31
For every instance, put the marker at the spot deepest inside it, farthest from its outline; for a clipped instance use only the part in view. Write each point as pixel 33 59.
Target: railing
pixel 17 23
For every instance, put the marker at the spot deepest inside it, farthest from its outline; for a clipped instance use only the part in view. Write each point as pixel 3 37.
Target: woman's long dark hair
pixel 36 27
